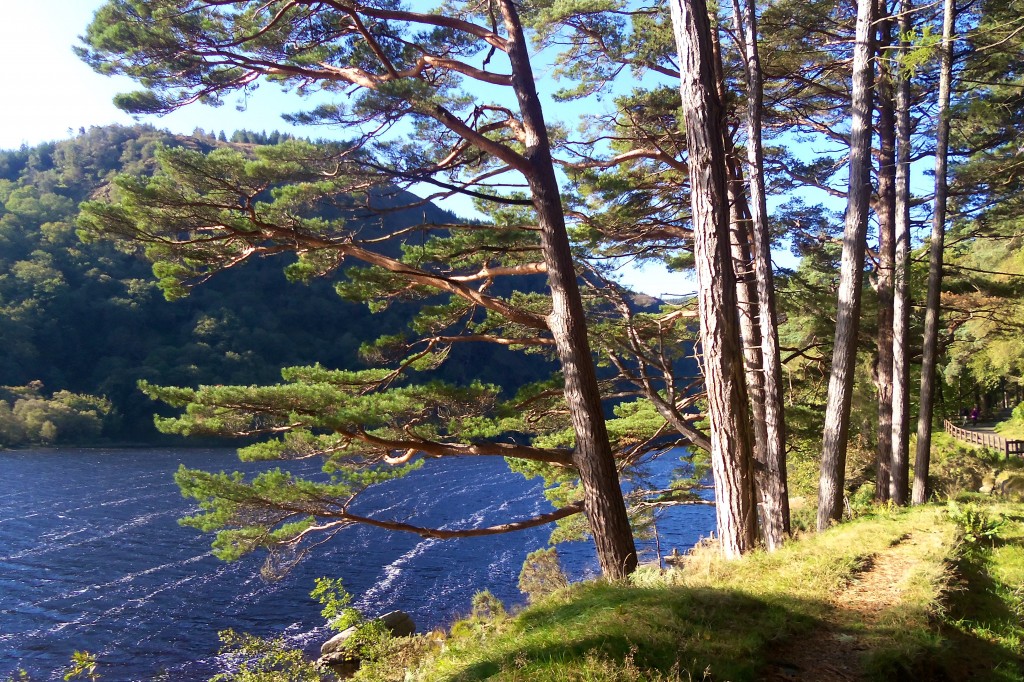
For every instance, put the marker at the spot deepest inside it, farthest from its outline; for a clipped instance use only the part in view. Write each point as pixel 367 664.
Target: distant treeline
pixel 85 319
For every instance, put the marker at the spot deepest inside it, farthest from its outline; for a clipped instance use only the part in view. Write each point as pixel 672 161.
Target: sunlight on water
pixel 92 558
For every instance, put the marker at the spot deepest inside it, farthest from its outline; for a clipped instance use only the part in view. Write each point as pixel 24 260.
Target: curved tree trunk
pixel 603 501
pixel 851 277
pixel 899 470
pixel 731 456
pixel 931 318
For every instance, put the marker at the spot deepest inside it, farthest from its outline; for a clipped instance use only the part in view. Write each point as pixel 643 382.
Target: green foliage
pixel 984 614
pixel 488 615
pixel 336 602
pixel 369 640
pixel 273 510
pixel 27 416
pixel 487 607
pixel 977 526
pixel 1012 428
pixel 83 665
pixel 541 575
pixel 862 501
pixel 255 659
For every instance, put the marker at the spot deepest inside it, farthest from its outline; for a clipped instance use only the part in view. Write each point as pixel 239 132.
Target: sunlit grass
pixel 715 618
pixel 986 618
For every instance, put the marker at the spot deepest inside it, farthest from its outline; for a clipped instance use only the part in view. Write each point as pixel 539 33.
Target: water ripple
pixel 101 564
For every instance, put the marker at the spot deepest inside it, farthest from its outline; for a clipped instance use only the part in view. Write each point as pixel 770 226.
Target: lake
pixel 92 558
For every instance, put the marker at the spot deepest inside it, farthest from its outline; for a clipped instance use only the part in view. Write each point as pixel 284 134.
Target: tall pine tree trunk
pixel 851 277
pixel 931 319
pixel 746 305
pixel 899 470
pixel 885 210
pixel 731 455
pixel 603 501
pixel 748 309
pixel 772 481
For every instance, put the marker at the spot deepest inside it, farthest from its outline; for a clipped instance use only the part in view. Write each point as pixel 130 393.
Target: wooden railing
pixel 985 439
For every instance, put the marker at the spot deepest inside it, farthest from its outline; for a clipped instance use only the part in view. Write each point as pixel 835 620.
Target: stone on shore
pixel 333 653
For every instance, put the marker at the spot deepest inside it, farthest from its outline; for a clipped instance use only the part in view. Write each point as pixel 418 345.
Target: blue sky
pixel 49 94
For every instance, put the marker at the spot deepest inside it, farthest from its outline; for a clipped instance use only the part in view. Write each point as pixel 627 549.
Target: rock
pixel 340 663
pixel 675 558
pixel 399 623
pixel 337 643
pixel 1011 484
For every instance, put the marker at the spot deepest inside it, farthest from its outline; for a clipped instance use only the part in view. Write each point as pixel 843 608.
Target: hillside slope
pixel 88 318
pixel 899 595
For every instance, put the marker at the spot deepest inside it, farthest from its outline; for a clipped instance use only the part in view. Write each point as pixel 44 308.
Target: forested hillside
pixel 879 142
pixel 86 319
pixel 864 127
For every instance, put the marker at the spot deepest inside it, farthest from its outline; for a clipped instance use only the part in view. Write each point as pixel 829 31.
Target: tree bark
pixel 931 318
pixel 773 483
pixel 899 470
pixel 750 339
pixel 747 308
pixel 885 210
pixel 844 355
pixel 731 456
pixel 603 501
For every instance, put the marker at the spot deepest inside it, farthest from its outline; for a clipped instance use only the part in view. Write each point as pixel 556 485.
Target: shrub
pixel 541 575
pixel 336 600
pixel 975 523
pixel 265 660
pixel 488 607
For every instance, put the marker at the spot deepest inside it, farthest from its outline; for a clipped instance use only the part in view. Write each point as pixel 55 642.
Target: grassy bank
pixel 893 595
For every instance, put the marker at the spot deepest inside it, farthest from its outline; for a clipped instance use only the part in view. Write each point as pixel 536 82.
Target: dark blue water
pixel 92 558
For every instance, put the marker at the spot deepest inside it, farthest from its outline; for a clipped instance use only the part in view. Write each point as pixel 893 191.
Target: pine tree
pixel 837 414
pixel 401 65
pixel 936 251
pixel 731 440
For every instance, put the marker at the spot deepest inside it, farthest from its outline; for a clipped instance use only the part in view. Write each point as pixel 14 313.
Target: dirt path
pixel 832 652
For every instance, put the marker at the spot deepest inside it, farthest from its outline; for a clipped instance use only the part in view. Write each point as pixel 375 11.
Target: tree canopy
pixel 444 102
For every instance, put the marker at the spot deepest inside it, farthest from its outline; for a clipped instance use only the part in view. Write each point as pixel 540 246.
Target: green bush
pixel 369 634
pixel 336 600
pixel 975 523
pixel 488 607
pixel 541 575
pixel 265 660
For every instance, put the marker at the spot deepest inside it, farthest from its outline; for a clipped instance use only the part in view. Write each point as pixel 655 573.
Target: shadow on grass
pixel 635 634
pixel 980 625
pixel 677 634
